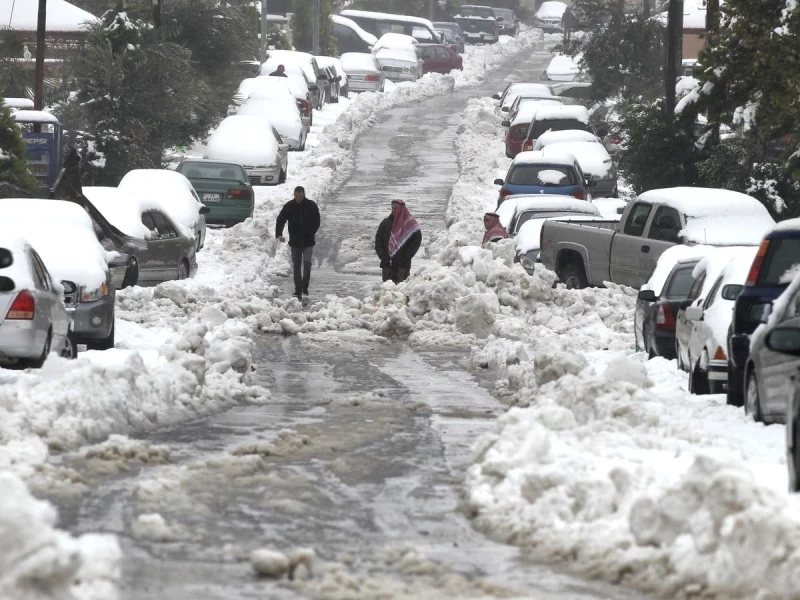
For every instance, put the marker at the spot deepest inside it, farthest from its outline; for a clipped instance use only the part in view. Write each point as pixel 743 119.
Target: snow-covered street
pixel 474 432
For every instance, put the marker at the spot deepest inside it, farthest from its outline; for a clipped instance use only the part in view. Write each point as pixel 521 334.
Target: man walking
pixel 302 215
pixel 397 241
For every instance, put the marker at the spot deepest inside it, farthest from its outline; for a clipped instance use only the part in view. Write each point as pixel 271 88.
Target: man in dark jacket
pixel 302 215
pixel 279 72
pixel 397 241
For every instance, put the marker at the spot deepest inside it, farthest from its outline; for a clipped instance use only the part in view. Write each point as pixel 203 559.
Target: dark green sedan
pixel 223 187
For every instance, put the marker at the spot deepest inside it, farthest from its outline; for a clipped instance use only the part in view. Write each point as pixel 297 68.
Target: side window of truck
pixel 637 219
pixel 666 225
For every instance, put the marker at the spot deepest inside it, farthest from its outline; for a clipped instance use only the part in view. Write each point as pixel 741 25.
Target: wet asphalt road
pixel 359 451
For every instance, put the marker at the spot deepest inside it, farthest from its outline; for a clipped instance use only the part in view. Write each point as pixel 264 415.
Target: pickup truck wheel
pixel 573 277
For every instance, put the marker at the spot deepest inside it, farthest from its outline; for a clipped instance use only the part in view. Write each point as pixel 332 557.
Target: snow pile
pixel 38 561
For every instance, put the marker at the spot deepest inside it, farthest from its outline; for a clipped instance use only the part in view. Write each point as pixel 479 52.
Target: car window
pixel 164 228
pixel 697 287
pixel 543 175
pixel 680 283
pixel 277 136
pixel 539 127
pixel 147 221
pixel 637 219
pixel 782 255
pixel 666 225
pixel 712 295
pixel 442 52
pixel 42 280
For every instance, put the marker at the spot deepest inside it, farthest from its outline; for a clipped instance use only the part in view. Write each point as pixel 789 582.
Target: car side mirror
pixel 496 97
pixel 499 182
pixel 694 313
pixel 731 291
pixel 647 296
pixel 505 108
pixel 204 210
pixel 785 340
pixel 69 286
pixel 620 210
pixel 506 123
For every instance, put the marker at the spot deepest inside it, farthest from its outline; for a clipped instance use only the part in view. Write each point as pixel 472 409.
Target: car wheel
pixel 183 269
pixel 70 350
pixel 573 277
pixel 735 395
pixel 131 273
pixel 793 454
pixel 698 379
pixel 752 405
pixel 107 342
pixel 36 363
pixel 681 366
pixel 303 143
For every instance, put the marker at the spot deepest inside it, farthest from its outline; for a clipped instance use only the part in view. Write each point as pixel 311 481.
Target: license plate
pixel 211 198
pixel 356 77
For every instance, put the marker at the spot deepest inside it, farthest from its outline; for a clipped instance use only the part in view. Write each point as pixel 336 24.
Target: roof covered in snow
pixel 22 15
pixel 538 158
pixel 563 111
pixel 543 203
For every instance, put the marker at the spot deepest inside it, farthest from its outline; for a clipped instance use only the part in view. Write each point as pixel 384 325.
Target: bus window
pixel 41 133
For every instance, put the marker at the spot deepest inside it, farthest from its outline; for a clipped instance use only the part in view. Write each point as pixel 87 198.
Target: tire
pixel 282 177
pixel 681 366
pixel 793 456
pixel 70 350
pixel 107 342
pixel 698 381
pixel 573 276
pixel 131 273
pixel 752 404
pixel 36 363
pixel 303 143
pixel 735 393
pixel 183 269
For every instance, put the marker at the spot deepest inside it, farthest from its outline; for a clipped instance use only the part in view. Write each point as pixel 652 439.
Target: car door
pixel 663 233
pixel 168 246
pixel 683 326
pixel 701 332
pixel 151 261
pixel 778 369
pixel 44 315
pixel 628 246
pixel 283 151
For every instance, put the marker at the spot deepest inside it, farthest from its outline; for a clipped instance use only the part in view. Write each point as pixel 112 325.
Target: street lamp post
pixel 264 32
pixel 156 4
pixel 41 28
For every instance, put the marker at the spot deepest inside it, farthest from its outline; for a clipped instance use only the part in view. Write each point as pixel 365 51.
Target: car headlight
pixel 93 295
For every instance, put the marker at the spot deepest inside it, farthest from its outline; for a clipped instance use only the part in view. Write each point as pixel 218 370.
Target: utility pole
pixel 712 22
pixel 315 29
pixel 431 13
pixel 674 54
pixel 41 30
pixel 156 12
pixel 646 9
pixel 264 31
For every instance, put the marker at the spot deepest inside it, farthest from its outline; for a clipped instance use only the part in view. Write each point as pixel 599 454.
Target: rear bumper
pixel 93 320
pixel 229 215
pixel 480 38
pixel 364 86
pixel 664 344
pixel 21 339
pixel 263 175
pixel 399 77
pixel 603 188
pixel 718 370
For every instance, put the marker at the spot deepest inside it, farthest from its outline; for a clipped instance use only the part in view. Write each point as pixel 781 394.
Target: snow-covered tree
pixel 13 164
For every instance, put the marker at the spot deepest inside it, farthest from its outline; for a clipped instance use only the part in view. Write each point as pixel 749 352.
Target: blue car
pixel 543 172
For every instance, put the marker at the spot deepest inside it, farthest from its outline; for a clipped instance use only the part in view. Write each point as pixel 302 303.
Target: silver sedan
pixel 364 73
pixel 33 320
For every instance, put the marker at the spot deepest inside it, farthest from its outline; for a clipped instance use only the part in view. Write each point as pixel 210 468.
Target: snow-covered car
pixel 562 68
pixel 772 369
pixel 524 99
pixel 339 77
pixel 289 58
pixel 479 23
pixel 282 112
pixel 513 90
pixel 64 237
pixel 254 143
pixel 276 86
pixel 595 163
pixel 168 251
pixel 573 92
pixel 298 80
pixel 523 216
pixel 400 64
pixel 455 31
pixel 549 16
pixel 173 194
pixel 534 173
pixel 438 58
pixel 556 118
pixel 350 36
pixel 33 320
pixel 507 22
pixel 394 41
pixel 364 73
pixel 701 329
pixel 520 123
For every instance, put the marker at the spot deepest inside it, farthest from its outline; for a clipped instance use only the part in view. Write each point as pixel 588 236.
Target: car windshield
pixel 476 11
pixel 681 284
pixel 543 175
pixel 211 170
pixel 539 127
pixel 782 255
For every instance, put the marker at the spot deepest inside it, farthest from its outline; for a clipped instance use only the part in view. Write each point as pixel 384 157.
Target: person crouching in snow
pixel 494 229
pixel 397 241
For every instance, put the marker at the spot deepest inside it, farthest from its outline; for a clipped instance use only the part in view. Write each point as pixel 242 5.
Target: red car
pixel 438 58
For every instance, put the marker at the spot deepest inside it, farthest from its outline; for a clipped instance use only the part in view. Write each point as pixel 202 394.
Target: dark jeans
pixel 301 281
pixel 396 274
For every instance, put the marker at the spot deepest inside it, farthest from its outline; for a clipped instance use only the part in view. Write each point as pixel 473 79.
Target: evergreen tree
pixel 13 164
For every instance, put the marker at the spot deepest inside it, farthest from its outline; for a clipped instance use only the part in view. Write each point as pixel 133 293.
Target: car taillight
pixel 371 77
pixel 239 194
pixel 520 131
pixel 527 145
pixel 720 354
pixel 752 277
pixel 579 194
pixel 23 307
pixel 305 107
pixel 615 139
pixel 505 194
pixel 664 317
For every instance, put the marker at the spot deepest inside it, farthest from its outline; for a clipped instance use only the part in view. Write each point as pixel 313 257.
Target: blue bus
pixel 42 134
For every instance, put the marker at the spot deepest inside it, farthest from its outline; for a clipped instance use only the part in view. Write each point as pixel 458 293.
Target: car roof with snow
pixel 349 12
pixel 672 256
pixel 226 141
pixel 544 203
pixel 715 216
pixel 268 86
pixel 394 40
pixel 402 54
pixel 63 234
pixel 562 68
pixel 517 89
pixel 538 157
pixel 358 61
pixel 365 36
pixel 563 111
pixel 565 135
pixel 788 225
pixel 529 235
pixel 592 156
pixel 327 62
pixel 123 208
pixel 287 58
pixel 527 110
pixel 292 71
pixel 551 8
pixel 172 192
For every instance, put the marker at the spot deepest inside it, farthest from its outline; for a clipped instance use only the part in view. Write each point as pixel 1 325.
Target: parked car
pixel 64 236
pixel 519 124
pixel 284 115
pixel 455 30
pixel 449 40
pixel 566 135
pixel 478 23
pixel 562 68
pixel 223 187
pixel 400 62
pixel 438 58
pixel 549 16
pixel 513 90
pixel 532 100
pixel 33 320
pixel 264 156
pixel 299 82
pixel 595 163
pixel 337 74
pixel 556 118
pixel 701 329
pixel 573 92
pixel 293 87
pixel 535 173
pixel 307 62
pixel 772 372
pixel 523 216
pixel 778 253
pixel 364 73
pixel 350 37
pixel 173 194
pixel 507 22
pixel 627 252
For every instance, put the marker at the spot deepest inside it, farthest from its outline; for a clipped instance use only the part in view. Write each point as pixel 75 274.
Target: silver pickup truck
pixel 626 252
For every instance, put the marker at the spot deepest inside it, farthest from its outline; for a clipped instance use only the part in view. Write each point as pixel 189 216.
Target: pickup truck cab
pixel 479 24
pixel 589 254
